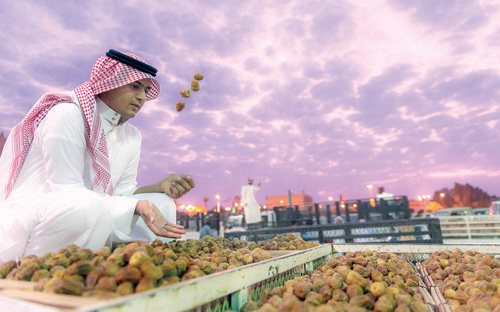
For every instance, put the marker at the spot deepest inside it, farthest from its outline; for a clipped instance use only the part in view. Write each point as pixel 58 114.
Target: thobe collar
pixel 109 118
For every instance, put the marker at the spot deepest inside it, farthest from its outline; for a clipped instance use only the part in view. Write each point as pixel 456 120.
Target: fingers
pixel 171 224
pixel 179 188
pixel 174 192
pixel 185 180
pixel 171 235
pixel 176 185
pixel 189 180
pixel 154 229
pixel 157 223
pixel 170 232
pixel 175 230
pixel 185 184
pixel 168 229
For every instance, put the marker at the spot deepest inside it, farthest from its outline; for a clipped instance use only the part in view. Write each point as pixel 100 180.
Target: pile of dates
pixel 469 281
pixel 288 242
pixel 130 268
pixel 355 282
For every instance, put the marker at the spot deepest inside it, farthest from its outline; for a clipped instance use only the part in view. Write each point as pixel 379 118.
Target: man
pixel 252 211
pixel 205 230
pixel 338 232
pixel 68 170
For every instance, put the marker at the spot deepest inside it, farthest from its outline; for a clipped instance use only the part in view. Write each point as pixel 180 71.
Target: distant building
pixel 2 142
pixel 282 200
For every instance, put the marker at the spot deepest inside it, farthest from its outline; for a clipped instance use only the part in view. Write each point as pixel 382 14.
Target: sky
pixel 324 97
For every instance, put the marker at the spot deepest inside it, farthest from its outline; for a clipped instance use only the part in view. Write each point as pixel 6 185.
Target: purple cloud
pixel 322 96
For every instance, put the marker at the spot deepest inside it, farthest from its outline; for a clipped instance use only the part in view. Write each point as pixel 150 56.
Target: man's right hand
pixel 156 222
pixel 176 185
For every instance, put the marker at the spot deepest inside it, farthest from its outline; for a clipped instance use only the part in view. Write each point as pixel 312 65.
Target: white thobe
pixel 51 204
pixel 252 211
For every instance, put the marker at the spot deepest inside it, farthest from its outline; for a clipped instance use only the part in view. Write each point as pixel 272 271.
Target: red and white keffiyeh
pixel 106 75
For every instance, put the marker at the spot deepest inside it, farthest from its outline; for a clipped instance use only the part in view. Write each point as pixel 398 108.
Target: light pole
pixel 219 221
pixel 370 187
pixel 218 202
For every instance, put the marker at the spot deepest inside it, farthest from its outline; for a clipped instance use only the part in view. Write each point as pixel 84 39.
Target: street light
pixel 221 228
pixel 441 195
pixel 370 187
pixel 218 202
pixel 423 197
pixel 330 198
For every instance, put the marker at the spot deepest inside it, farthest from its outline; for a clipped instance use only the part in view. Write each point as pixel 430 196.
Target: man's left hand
pixel 176 185
pixel 156 222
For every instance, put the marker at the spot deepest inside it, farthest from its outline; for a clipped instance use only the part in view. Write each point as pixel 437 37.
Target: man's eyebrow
pixel 142 84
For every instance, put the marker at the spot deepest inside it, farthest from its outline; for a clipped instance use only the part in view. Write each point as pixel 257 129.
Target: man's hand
pixel 156 222
pixel 176 185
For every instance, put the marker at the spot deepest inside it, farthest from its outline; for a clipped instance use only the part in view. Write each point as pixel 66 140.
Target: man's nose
pixel 141 96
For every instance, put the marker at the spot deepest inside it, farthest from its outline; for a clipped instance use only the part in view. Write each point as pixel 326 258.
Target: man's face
pixel 250 182
pixel 127 100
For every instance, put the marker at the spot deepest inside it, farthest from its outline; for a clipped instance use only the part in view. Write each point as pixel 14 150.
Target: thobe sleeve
pixel 62 138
